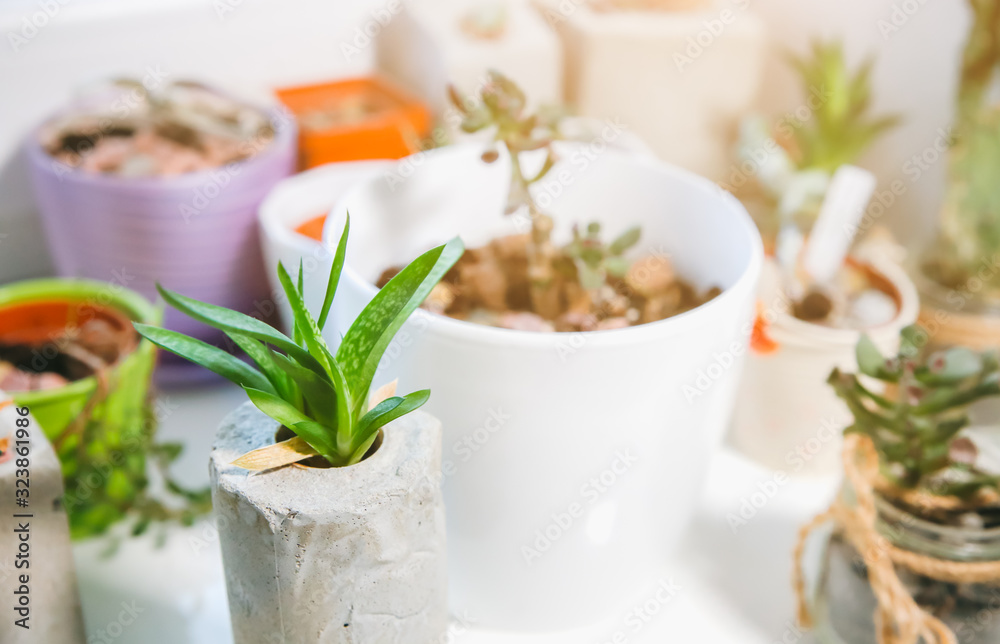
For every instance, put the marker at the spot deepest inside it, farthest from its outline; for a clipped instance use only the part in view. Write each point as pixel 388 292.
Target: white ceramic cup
pixel 787 417
pixel 572 462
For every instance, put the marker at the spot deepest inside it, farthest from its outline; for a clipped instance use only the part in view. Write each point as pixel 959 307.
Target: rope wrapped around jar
pixel 899 619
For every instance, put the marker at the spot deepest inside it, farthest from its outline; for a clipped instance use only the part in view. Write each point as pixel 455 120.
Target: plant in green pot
pixel 958 274
pixel 915 551
pixel 69 354
pixel 327 493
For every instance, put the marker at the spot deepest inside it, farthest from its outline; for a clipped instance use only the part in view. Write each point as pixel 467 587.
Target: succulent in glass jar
pixel 915 553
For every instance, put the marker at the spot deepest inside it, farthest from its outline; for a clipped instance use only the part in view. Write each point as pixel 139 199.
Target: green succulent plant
pixel 502 107
pixel 970 226
pixel 918 432
pixel 841 127
pixel 319 395
pixel 594 259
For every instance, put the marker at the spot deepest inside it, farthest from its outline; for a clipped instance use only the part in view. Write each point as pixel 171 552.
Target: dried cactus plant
pixel 970 226
pixel 918 432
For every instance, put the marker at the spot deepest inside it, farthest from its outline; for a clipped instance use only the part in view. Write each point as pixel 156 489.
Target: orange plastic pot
pixel 356 119
pixel 313 228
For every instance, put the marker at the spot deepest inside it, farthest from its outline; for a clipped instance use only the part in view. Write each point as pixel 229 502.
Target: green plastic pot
pixel 104 463
pixel 55 409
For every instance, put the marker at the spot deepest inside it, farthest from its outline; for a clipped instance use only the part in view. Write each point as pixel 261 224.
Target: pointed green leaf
pixel 227 320
pixel 212 358
pixel 262 356
pixel 304 322
pixel 626 240
pixel 335 271
pixel 370 335
pixel 389 410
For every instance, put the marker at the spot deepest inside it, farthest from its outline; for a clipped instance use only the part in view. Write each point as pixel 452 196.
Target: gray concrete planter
pixel 333 555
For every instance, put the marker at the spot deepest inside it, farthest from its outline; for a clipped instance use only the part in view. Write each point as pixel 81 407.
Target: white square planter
pixel 37 577
pixel 425 49
pixel 333 555
pixel 680 80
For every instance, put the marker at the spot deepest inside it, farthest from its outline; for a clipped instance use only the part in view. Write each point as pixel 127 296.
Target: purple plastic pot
pixel 195 233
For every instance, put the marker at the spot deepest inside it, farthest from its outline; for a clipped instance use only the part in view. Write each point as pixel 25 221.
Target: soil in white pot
pixel 858 297
pixel 491 285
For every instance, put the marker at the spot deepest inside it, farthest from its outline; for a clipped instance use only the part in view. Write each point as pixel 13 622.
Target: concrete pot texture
pixel 317 555
pixel 195 233
pixel 531 419
pixel 787 417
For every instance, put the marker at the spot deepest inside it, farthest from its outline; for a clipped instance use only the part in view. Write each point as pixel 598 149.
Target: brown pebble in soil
pixel 815 306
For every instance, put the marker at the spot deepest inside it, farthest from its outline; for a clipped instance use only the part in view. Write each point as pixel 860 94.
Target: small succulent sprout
pixel 842 127
pixel 918 432
pixel 595 260
pixel 319 395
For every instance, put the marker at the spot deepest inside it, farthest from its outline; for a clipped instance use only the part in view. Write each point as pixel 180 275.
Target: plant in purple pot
pixel 140 181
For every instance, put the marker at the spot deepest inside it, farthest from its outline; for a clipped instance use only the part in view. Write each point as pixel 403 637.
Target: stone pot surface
pixel 333 555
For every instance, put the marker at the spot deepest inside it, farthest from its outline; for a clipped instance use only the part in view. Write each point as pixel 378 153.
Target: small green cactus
pixel 918 431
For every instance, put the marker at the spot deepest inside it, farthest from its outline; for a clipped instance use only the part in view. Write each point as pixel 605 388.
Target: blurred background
pixel 255 45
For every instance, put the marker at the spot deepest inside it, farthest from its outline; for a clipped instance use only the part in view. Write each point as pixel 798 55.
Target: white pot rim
pixel 789 329
pixel 279 218
pixel 461 330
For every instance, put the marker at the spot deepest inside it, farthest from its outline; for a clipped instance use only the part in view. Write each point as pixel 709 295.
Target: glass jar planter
pixel 844 606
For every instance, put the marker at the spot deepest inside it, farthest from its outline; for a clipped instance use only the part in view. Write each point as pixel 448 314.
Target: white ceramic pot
pixel 290 204
pixel 787 417
pixel 158 587
pixel 572 462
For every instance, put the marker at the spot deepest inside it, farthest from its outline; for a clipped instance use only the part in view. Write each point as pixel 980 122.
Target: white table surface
pixel 733 584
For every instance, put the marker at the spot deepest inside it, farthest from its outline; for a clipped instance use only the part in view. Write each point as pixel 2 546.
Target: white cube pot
pixel 163 586
pixel 680 80
pixel 291 203
pixel 333 555
pixel 425 48
pixel 36 563
pixel 572 462
pixel 787 417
